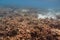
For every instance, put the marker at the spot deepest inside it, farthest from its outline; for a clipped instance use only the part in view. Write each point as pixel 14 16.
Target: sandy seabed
pixel 28 27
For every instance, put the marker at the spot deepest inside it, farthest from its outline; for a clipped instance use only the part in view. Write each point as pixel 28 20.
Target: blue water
pixel 31 3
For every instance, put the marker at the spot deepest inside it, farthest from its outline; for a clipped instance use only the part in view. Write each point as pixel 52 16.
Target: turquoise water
pixel 31 3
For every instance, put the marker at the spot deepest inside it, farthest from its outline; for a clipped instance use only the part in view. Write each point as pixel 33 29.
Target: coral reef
pixel 28 27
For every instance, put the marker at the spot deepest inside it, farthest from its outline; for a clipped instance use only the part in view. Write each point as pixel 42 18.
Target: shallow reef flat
pixel 23 26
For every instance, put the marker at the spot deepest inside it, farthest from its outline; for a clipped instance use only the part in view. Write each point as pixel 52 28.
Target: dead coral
pixel 26 27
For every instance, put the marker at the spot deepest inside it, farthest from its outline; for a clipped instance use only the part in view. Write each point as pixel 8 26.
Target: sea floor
pixel 23 26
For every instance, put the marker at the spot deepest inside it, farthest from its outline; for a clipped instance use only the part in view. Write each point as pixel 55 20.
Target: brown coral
pixel 26 27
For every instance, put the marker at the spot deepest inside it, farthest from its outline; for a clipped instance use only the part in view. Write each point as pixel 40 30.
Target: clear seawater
pixel 31 3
